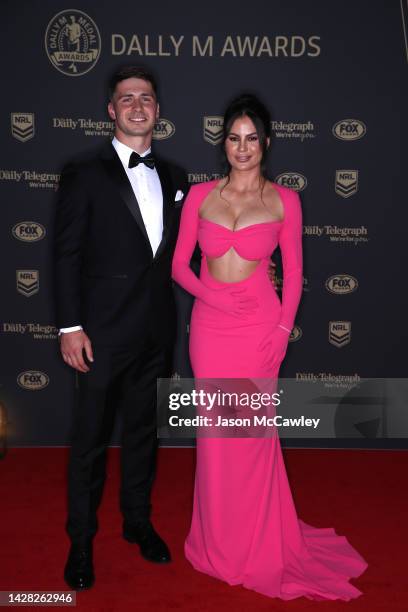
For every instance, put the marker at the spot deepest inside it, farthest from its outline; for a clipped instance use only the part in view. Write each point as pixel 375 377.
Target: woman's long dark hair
pixel 248 105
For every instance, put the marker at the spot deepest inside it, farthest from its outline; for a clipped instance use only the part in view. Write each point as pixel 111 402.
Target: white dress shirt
pixel 146 186
pixel 147 189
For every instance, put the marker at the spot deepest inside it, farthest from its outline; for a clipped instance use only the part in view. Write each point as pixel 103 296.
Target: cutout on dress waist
pixel 243 280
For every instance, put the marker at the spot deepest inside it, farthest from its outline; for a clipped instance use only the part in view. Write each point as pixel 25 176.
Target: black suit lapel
pixel 168 203
pixel 116 173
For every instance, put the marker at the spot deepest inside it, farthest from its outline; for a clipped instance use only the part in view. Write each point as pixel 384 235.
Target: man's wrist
pixel 67 330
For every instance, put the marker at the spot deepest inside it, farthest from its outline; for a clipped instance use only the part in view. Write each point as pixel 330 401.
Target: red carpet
pixel 365 499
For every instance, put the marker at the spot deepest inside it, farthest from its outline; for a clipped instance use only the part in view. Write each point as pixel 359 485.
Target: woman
pixel 244 527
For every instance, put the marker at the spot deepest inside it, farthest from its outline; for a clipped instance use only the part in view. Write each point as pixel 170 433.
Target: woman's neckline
pixel 240 229
pixel 216 182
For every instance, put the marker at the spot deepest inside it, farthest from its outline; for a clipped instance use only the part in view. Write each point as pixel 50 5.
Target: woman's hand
pixel 235 302
pixel 274 345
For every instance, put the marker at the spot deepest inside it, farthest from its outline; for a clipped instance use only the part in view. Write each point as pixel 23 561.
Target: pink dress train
pixel 244 527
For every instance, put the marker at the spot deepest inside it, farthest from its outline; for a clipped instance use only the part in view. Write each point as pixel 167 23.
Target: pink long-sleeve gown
pixel 244 528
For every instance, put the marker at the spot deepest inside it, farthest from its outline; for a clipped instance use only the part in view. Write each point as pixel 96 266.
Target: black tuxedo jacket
pixel 106 277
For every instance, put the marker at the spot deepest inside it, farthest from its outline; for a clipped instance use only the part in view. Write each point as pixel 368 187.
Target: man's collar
pixel 124 152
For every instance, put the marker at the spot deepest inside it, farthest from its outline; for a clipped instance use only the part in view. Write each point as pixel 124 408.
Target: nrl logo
pixel 213 129
pixel 28 282
pixel 22 126
pixel 346 183
pixel 339 333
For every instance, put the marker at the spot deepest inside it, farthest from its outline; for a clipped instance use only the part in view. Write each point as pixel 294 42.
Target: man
pixel 116 227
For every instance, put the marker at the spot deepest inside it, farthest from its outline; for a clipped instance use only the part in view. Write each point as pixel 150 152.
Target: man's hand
pixel 73 344
pixel 272 272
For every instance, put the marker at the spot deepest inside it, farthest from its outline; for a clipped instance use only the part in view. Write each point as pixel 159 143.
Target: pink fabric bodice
pixel 255 242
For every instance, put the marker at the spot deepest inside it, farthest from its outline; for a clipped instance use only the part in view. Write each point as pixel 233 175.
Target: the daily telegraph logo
pixel 164 128
pixel 203 177
pixel 346 183
pixel 213 129
pixel 349 129
pixel 293 180
pixel 72 42
pixel 89 126
pixel 339 333
pixel 329 379
pixel 37 331
pixel 290 130
pixel 28 282
pixel 340 284
pixel 295 334
pixel 33 380
pixel 28 231
pixel 22 126
pixel 351 235
pixel 31 178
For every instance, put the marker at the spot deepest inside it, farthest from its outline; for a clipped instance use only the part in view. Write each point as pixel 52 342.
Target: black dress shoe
pixel 79 573
pixel 151 545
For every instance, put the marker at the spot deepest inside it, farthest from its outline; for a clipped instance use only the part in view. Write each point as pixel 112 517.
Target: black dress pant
pixel 121 378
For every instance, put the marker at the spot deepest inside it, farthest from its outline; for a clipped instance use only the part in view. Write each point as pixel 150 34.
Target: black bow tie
pixel 136 159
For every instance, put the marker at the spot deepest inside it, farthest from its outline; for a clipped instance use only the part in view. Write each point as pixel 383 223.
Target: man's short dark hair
pixel 129 72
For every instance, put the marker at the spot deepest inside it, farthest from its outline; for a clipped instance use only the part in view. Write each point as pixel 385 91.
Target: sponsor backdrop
pixel 334 78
